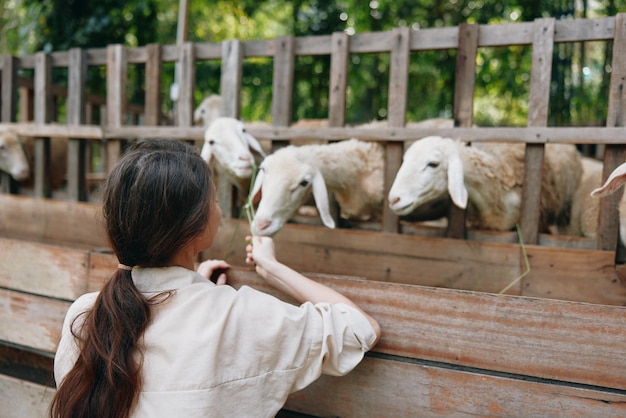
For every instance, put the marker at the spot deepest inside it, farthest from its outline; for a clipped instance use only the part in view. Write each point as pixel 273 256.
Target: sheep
pixel 351 169
pixel 208 110
pixel 585 209
pixel 229 147
pixel 615 180
pixel 487 175
pixel 12 157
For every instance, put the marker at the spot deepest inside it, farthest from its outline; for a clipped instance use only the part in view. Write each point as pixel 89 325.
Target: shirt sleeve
pixel 67 351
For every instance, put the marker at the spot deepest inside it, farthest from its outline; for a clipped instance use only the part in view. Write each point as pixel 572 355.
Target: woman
pixel 162 340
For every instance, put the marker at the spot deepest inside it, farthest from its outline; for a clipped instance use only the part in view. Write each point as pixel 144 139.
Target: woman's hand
pixel 214 270
pixel 259 250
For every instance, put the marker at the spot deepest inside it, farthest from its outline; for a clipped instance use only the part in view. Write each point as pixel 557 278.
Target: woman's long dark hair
pixel 156 199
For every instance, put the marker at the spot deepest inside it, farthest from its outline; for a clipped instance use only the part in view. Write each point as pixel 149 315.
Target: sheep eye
pixel 211 142
pixel 304 183
pixel 433 164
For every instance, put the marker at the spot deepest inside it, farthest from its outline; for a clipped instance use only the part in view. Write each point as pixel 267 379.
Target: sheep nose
pixel 394 200
pixel 261 224
pixel 245 158
pixel 23 174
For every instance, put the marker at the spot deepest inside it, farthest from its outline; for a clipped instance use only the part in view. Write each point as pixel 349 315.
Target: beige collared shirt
pixel 213 351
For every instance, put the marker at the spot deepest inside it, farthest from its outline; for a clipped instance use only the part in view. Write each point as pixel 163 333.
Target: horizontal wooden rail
pixel 567 135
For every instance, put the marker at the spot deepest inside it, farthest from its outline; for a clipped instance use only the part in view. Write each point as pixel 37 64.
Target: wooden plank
pixel 186 84
pixel 388 388
pixel 231 78
pixel 340 46
pixel 540 338
pixel 8 106
pixel 538 105
pixel 43 114
pixel 230 89
pixel 43 269
pixel 21 398
pixel 31 321
pixel 117 75
pixel 532 135
pixel 153 85
pixel 464 82
pixel 608 219
pixel 76 148
pixel 53 221
pixel 282 81
pixel 8 92
pixel 397 102
pixel 557 273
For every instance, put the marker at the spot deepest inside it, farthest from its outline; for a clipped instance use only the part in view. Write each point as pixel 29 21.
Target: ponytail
pixel 106 377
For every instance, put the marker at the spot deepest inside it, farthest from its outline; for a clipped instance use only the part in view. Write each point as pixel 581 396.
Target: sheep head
pixel 12 157
pixel 208 110
pixel 229 145
pixel 430 169
pixel 284 183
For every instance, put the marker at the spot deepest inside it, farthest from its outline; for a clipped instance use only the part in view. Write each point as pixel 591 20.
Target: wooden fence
pixel 553 346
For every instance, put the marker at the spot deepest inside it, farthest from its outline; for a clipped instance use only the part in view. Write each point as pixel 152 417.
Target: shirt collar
pixel 162 279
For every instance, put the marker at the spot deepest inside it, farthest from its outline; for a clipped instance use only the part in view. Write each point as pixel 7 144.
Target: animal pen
pixel 553 345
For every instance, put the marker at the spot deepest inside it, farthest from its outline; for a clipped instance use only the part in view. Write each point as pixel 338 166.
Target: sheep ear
pixel 254 144
pixel 456 182
pixel 258 182
pixel 206 152
pixel 320 194
pixel 615 180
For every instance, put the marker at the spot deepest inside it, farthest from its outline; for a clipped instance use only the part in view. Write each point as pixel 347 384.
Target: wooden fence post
pixel 77 74
pixel 8 104
pixel 538 106
pixel 396 110
pixel 43 108
pixel 608 219
pixel 465 80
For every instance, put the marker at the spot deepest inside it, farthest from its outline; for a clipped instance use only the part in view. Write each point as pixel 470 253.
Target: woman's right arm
pixel 260 251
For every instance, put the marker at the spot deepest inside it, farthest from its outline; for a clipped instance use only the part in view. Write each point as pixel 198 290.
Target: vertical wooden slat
pixel 608 219
pixel 43 108
pixel 339 55
pixel 396 109
pixel 230 88
pixel 231 77
pixel 8 103
pixel 465 79
pixel 77 73
pixel 282 82
pixel 117 70
pixel 8 99
pixel 186 84
pixel 538 106
pixel 154 56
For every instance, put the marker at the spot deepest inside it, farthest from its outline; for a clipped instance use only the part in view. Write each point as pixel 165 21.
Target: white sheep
pixel 229 146
pixel 615 180
pixel 208 110
pixel 485 178
pixel 351 170
pixel 12 157
pixel 585 208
